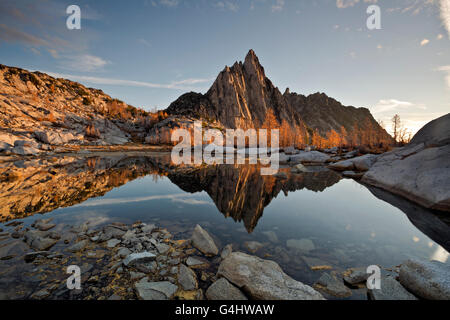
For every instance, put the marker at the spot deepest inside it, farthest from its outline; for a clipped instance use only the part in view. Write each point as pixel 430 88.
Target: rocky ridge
pixel 38 111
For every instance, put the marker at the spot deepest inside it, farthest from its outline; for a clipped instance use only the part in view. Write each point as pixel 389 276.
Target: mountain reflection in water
pixel 239 192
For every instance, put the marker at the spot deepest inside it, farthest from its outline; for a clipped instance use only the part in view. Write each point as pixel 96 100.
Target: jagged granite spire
pixel 242 96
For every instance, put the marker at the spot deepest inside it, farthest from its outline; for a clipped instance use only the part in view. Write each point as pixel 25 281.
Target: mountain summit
pixel 243 97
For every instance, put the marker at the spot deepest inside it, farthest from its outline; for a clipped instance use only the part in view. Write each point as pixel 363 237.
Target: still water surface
pixel 310 219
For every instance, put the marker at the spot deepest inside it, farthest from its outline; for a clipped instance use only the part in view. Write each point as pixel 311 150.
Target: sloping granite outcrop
pixel 419 171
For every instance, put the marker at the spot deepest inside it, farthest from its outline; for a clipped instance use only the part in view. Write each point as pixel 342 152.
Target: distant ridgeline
pixel 243 97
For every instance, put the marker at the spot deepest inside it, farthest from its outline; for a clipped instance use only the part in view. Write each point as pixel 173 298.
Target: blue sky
pixel 147 53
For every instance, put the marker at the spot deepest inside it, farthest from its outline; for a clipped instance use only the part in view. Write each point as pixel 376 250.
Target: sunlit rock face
pixel 242 96
pixel 35 106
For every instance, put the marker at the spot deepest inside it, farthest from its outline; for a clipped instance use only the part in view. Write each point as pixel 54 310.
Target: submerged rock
pixel 330 284
pixel 253 246
pixel 304 245
pixel 43 224
pixel 12 249
pixel 272 236
pixel 426 279
pixel 264 279
pixel 110 232
pixel 31 256
pixel 226 251
pixel 79 246
pixel 203 241
pixel 39 240
pixel 299 168
pixel 223 290
pixel 41 294
pixel 355 276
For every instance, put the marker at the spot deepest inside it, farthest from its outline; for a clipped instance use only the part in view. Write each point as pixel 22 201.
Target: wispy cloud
pixel 414 7
pixel 180 197
pixel 390 105
pixel 342 4
pixel 16 36
pixel 170 3
pixel 424 42
pixel 446 69
pixel 227 5
pixel 413 115
pixel 445 14
pixel 144 42
pixel 278 6
pixel 187 84
pixel 83 63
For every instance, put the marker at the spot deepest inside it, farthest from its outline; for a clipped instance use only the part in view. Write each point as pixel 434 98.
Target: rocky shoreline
pixel 143 261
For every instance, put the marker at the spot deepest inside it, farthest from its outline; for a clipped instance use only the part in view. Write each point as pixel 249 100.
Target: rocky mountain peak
pixel 243 97
pixel 252 65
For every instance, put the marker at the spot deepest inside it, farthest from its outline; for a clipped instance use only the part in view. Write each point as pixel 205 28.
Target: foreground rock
pixel 187 278
pixel 362 163
pixel 148 290
pixel 203 241
pixel 333 285
pixel 309 157
pixel 223 290
pixel 426 279
pixel 264 279
pixel 390 289
pixel 39 240
pixel 134 258
pixel 420 171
